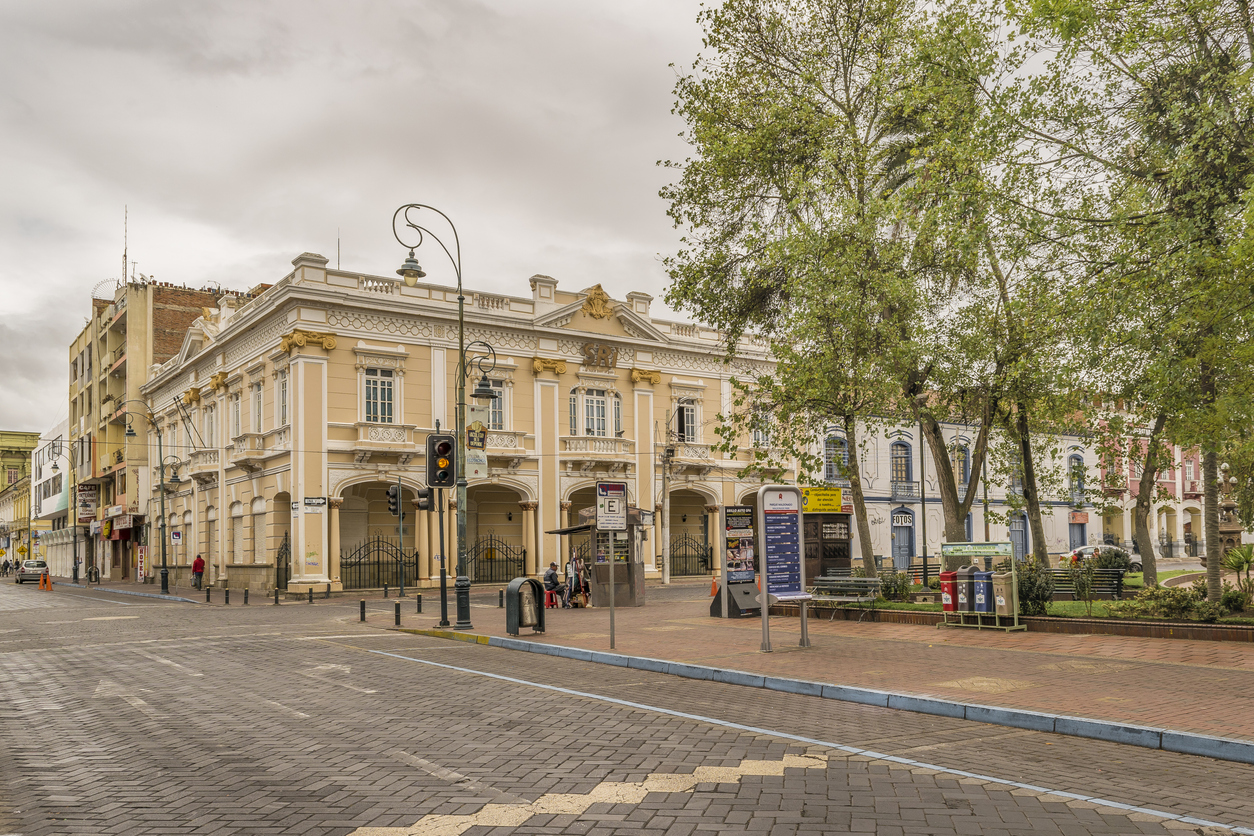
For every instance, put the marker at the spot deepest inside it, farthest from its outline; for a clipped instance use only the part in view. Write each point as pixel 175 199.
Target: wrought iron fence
pixel 689 556
pixel 376 563
pixel 492 560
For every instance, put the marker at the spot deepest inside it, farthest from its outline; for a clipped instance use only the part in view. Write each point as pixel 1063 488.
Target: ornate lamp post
pixel 411 271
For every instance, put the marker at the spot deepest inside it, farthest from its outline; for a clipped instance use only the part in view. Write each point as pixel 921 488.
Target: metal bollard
pixel 363 610
pixel 207 591
pixel 500 598
pixel 328 595
pixel 385 590
pixel 311 594
pixel 245 596
pixel 276 596
pixel 228 596
pixel 398 613
pixel 419 597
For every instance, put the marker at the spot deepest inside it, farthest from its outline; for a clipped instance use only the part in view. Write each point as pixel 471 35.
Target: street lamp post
pixel 411 271
pixel 130 433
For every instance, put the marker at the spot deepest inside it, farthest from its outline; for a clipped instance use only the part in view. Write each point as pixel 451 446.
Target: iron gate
pixel 492 560
pixel 689 556
pixel 377 563
pixel 283 563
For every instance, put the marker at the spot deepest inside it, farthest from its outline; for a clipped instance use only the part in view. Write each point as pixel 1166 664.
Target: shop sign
pixel 143 559
pixel 95 527
pixel 739 543
pixel 903 520
pixel 477 419
pixel 115 511
pixel 88 497
pixel 106 528
pixel 994 550
pixel 124 521
pixel 1079 516
pixel 823 500
pixel 600 354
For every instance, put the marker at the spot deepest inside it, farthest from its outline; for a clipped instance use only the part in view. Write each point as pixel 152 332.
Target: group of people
pixel 572 589
pixel 6 567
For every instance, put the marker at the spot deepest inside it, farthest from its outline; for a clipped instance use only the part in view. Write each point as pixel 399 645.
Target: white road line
pixel 346 636
pixel 456 778
pixel 853 750
pixel 300 714
pixel 154 657
pixel 111 618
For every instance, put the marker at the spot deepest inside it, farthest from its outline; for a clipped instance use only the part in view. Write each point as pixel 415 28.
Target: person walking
pixel 198 571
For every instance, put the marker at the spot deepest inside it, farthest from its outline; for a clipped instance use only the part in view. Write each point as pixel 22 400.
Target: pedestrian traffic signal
pixel 441 462
pixel 424 499
pixel 394 500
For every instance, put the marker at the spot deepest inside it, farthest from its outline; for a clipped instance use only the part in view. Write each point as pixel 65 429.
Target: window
pixel 256 427
pixel 900 462
pixel 1190 470
pixel 594 406
pixel 280 398
pixel 12 476
pixel 211 437
pixel 618 416
pixel 1075 466
pixel 236 418
pixel 1138 469
pixel 496 410
pixel 574 412
pixel 379 396
pixel 761 428
pixel 962 465
pixel 686 420
pixel 835 458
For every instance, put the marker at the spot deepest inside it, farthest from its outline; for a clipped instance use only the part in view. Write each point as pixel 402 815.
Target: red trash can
pixel 949 591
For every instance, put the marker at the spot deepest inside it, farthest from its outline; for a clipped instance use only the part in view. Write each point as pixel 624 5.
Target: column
pixel 712 534
pixel 423 539
pixel 333 559
pixel 565 539
pixel 532 560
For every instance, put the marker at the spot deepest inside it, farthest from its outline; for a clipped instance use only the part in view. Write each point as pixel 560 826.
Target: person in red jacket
pixel 198 571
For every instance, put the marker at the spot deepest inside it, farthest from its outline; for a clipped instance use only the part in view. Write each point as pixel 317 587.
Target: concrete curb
pixel 449 634
pixel 156 595
pixel 1219 748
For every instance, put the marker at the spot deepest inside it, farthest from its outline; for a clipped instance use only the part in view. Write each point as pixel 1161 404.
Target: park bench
pixel 845 589
pixel 1107 584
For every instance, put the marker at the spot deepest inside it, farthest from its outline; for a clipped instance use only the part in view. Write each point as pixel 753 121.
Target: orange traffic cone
pixel 45 581
pixel 713 587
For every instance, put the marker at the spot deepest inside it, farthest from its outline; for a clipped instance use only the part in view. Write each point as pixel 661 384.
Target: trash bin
pixel 1005 596
pixel 983 592
pixel 966 588
pixel 949 591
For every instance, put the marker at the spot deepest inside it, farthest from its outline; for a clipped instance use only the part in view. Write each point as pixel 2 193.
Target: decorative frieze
pixel 545 364
pixel 646 376
pixel 299 338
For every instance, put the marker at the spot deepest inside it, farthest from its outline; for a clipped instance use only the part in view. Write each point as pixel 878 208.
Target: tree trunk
pixel 1030 496
pixel 859 501
pixel 1145 500
pixel 956 510
pixel 1210 523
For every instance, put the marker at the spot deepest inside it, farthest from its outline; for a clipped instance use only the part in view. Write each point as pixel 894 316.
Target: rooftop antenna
pixel 125 220
pixel 337 248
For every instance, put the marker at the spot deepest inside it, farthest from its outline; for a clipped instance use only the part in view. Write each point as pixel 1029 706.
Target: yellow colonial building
pixel 284 419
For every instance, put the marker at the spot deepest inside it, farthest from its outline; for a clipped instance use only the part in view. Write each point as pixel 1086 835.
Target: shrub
pixel 1209 611
pixel 1168 601
pixel 1113 558
pixel 1198 589
pixel 933 583
pixel 1083 573
pixel 1234 599
pixel 1036 587
pixel 895 586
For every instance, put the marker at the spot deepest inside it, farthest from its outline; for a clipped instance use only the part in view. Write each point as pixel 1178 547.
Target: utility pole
pixel 923 498
pixel 667 452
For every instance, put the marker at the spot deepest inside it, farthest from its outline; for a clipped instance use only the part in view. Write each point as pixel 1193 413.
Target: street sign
pixel 611 506
pixel 783 570
pixel 176 537
pixel 21 550
pixel 315 504
pixel 477 420
pixel 821 500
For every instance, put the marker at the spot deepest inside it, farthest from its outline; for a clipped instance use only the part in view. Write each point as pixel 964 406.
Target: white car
pixel 1085 552
pixel 30 570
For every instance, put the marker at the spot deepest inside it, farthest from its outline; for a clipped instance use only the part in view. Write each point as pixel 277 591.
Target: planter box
pixel 1048 624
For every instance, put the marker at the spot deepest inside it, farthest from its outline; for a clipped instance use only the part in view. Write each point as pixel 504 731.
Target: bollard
pixel 276 596
pixel 207 591
pixel 363 609
pixel 398 613
pixel 419 597
pixel 385 590
pixel 500 598
pixel 245 596
pixel 311 594
pixel 228 596
pixel 328 595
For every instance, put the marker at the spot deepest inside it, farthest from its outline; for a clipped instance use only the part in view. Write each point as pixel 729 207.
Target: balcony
pixel 247 451
pixel 689 451
pixel 1193 487
pixel 278 441
pixel 395 439
pixel 905 491
pixel 507 442
pixel 600 445
pixel 204 465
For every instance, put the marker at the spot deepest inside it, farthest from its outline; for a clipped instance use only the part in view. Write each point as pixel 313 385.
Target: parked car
pixel 30 570
pixel 1085 552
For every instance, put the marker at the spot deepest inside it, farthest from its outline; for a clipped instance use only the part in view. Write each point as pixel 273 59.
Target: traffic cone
pixel 713 587
pixel 45 581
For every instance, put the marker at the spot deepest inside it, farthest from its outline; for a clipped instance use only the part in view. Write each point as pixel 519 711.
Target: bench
pixel 1107 584
pixel 845 589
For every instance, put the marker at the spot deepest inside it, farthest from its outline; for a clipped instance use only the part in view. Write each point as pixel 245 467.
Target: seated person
pixel 553 583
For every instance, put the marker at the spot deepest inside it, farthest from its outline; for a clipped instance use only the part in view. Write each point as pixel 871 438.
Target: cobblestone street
pixel 146 717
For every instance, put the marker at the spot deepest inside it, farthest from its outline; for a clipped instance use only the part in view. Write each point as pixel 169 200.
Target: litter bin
pixel 1005 596
pixel 949 591
pixel 966 588
pixel 983 592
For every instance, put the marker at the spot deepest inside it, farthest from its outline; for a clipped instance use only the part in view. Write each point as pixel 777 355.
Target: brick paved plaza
pixel 131 715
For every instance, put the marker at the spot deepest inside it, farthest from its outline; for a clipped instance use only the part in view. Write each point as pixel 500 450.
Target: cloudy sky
pixel 241 133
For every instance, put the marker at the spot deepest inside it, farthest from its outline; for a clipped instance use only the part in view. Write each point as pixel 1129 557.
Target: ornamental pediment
pixel 598 314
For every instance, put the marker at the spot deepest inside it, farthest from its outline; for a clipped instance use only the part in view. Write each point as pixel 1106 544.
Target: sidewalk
pixel 1202 687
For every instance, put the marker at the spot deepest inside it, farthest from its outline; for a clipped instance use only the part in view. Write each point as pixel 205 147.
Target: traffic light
pixel 441 463
pixel 424 499
pixel 394 500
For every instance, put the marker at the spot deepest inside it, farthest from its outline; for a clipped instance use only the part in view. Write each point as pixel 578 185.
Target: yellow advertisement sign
pixel 820 500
